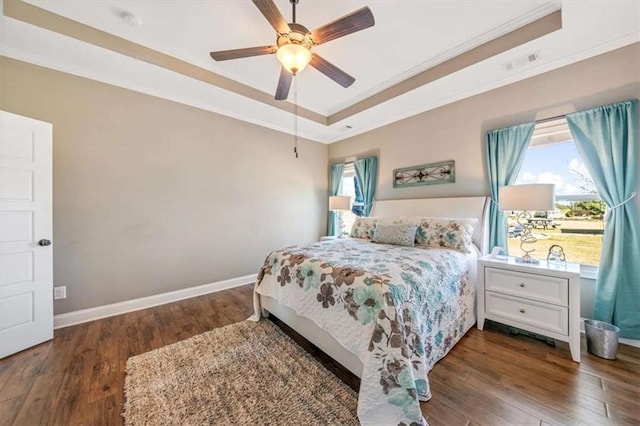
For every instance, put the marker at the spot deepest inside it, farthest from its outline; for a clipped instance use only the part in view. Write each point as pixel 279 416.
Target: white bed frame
pixel 459 207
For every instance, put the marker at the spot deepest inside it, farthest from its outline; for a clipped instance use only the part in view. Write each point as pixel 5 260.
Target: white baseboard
pixel 630 342
pixel 104 311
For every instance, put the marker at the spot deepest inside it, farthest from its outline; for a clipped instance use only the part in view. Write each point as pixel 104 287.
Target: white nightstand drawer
pixel 518 310
pixel 536 287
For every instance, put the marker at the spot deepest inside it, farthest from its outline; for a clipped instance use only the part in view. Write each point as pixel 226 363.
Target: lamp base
pixel 524 220
pixel 340 226
pixel 527 260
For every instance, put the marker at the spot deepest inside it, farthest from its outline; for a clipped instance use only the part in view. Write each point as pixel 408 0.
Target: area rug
pixel 244 374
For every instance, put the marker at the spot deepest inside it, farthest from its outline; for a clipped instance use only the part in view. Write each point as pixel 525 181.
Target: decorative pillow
pixel 400 220
pixel 451 233
pixel 398 234
pixel 363 227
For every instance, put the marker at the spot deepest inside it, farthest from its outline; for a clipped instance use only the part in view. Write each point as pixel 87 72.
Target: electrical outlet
pixel 60 292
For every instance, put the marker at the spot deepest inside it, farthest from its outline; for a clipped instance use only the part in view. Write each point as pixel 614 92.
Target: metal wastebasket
pixel 602 338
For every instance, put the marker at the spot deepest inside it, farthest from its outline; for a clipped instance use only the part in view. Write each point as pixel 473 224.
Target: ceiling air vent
pixel 521 61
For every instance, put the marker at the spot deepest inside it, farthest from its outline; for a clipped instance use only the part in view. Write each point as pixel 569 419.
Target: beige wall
pixel 152 196
pixel 456 131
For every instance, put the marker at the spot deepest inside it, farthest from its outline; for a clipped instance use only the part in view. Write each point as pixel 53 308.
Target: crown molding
pixel 529 32
pixel 46 62
pixel 375 116
pixel 487 45
pixel 618 43
pixel 67 68
pixel 533 15
pixel 33 15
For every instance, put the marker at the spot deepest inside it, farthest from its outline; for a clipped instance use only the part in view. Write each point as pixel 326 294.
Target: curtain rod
pixel 557 117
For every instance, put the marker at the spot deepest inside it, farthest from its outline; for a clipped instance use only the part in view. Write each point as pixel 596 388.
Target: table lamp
pixel 339 204
pixel 527 198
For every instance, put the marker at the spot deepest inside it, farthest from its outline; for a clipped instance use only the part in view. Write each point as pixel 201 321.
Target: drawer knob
pixel 522 310
pixel 522 285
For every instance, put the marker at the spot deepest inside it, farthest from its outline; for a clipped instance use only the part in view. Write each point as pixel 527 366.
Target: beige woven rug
pixel 243 374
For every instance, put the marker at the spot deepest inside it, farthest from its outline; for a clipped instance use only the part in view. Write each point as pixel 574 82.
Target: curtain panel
pixel 366 173
pixel 335 188
pixel 506 150
pixel 607 140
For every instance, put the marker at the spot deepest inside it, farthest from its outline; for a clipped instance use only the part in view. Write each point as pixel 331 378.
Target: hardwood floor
pixel 490 377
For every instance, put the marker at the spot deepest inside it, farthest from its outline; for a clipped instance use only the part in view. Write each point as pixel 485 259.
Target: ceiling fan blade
pixel 331 71
pixel 225 55
pixel 270 11
pixel 348 24
pixel 284 84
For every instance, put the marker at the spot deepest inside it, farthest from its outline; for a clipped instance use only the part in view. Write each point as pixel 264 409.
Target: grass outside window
pixel 579 246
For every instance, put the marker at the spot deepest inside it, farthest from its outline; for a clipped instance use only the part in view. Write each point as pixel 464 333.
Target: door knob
pixel 44 243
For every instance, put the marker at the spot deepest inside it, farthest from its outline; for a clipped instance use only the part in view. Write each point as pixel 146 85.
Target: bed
pixel 387 313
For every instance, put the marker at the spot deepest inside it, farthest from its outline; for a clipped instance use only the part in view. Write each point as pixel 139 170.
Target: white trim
pixel 589 272
pixel 452 97
pixel 46 62
pixel 630 342
pixel 319 131
pixel 494 33
pixel 104 311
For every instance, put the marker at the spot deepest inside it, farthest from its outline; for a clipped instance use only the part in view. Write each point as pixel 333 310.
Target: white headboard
pixel 475 207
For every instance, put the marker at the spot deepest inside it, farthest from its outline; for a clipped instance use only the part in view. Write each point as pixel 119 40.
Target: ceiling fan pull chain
pixel 295 115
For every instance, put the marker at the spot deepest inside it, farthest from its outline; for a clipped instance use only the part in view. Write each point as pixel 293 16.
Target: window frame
pixel 554 131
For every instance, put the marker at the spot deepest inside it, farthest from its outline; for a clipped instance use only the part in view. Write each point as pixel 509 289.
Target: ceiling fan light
pixel 293 57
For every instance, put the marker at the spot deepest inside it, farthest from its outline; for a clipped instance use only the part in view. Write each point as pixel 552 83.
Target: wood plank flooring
pixel 489 378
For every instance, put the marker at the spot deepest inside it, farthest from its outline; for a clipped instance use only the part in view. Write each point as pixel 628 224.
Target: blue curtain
pixel 607 140
pixel 335 188
pixel 366 179
pixel 358 202
pixel 506 149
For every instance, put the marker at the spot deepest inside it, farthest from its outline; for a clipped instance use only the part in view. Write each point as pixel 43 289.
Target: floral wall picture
pixel 427 174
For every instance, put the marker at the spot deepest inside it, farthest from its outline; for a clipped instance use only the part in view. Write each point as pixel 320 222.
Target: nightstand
pixel 543 299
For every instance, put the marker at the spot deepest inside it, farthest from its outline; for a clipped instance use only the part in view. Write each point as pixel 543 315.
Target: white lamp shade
pixel 339 202
pixel 532 197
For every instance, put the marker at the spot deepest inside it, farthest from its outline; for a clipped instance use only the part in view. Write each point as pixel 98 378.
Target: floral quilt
pixel 399 309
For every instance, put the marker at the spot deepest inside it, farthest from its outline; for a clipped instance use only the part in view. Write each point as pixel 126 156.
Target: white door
pixel 26 259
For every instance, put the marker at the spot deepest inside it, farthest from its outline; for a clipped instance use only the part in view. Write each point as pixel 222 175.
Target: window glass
pixel 576 224
pixel 348 188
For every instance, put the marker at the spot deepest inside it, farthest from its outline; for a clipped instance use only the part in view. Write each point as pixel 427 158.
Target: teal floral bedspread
pixel 399 309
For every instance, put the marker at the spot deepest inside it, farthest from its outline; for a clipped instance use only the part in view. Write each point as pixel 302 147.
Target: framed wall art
pixel 427 174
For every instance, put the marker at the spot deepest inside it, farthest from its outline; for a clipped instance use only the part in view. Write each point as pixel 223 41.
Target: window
pixel 577 222
pixel 350 188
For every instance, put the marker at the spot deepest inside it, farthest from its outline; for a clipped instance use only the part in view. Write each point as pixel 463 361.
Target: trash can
pixel 602 338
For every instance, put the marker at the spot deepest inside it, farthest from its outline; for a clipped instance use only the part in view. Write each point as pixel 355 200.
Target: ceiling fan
pixel 294 43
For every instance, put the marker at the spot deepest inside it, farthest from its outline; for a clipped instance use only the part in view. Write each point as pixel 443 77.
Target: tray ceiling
pixel 409 37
